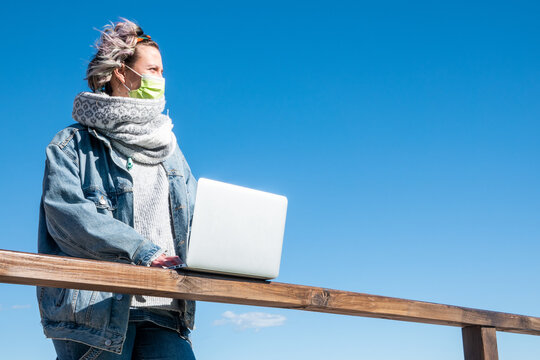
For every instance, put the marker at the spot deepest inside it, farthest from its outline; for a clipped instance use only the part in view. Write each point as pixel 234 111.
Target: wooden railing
pixel 478 326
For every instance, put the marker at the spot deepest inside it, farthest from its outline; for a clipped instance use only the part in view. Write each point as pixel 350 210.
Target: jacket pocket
pixel 105 202
pixel 94 308
pixel 60 298
pixel 57 305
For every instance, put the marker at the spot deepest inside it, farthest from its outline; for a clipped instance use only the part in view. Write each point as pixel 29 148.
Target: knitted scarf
pixel 136 127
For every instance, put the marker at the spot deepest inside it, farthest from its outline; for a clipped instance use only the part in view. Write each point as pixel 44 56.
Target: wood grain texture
pixel 479 343
pixel 66 272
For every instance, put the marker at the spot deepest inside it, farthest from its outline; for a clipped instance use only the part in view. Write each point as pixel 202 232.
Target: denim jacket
pixel 86 211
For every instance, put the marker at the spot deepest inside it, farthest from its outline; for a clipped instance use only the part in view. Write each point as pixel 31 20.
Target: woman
pixel 117 188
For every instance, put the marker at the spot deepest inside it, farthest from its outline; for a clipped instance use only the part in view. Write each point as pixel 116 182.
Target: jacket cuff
pixel 146 253
pixel 155 256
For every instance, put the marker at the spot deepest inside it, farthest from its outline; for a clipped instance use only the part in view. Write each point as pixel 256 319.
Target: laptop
pixel 236 231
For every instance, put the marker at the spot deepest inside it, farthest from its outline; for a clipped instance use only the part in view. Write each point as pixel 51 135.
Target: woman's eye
pixel 156 70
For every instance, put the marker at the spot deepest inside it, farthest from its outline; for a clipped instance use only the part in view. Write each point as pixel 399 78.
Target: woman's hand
pixel 164 261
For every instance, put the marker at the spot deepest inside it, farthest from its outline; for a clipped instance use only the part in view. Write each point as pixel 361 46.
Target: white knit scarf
pixel 136 127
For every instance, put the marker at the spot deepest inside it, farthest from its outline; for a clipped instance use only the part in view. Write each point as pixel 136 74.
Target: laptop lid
pixel 236 230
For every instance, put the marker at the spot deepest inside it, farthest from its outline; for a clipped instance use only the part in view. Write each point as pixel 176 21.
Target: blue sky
pixel 405 135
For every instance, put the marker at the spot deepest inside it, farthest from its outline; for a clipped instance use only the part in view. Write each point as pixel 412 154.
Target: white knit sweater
pixel 152 219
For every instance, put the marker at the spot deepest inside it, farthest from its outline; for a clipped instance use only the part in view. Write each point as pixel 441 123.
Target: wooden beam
pixel 67 272
pixel 479 343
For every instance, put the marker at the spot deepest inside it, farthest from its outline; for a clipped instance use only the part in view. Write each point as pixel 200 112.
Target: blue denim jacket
pixel 86 211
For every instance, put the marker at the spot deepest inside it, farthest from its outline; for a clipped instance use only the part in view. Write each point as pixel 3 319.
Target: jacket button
pixel 108 342
pixel 119 296
pixel 102 201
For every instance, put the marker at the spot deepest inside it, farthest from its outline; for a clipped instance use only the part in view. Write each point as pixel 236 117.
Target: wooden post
pixel 479 343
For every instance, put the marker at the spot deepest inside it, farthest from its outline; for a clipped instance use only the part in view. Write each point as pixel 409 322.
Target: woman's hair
pixel 117 45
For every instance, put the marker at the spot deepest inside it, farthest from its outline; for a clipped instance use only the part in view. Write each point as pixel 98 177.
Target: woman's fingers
pixel 166 261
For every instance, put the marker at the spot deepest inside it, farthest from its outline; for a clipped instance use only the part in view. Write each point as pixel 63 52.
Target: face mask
pixel 152 87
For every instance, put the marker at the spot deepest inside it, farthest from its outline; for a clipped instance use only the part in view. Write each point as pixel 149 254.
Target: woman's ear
pixel 120 74
pixel 118 81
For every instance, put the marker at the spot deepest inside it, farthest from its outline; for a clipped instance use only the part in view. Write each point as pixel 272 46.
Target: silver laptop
pixel 236 230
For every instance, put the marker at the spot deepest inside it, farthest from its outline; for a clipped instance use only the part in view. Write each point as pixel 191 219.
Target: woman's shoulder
pixel 73 141
pixel 72 133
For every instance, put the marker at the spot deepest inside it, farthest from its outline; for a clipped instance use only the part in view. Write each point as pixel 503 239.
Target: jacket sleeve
pixel 75 224
pixel 191 184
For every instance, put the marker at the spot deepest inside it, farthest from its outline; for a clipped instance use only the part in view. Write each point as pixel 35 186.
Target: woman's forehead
pixel 148 55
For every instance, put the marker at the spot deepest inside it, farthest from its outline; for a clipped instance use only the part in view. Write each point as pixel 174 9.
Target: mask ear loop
pixel 128 89
pixel 133 70
pixel 124 77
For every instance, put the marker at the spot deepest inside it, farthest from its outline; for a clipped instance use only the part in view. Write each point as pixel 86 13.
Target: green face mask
pixel 152 87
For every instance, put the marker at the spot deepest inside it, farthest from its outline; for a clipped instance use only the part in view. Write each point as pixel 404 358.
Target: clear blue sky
pixel 405 135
